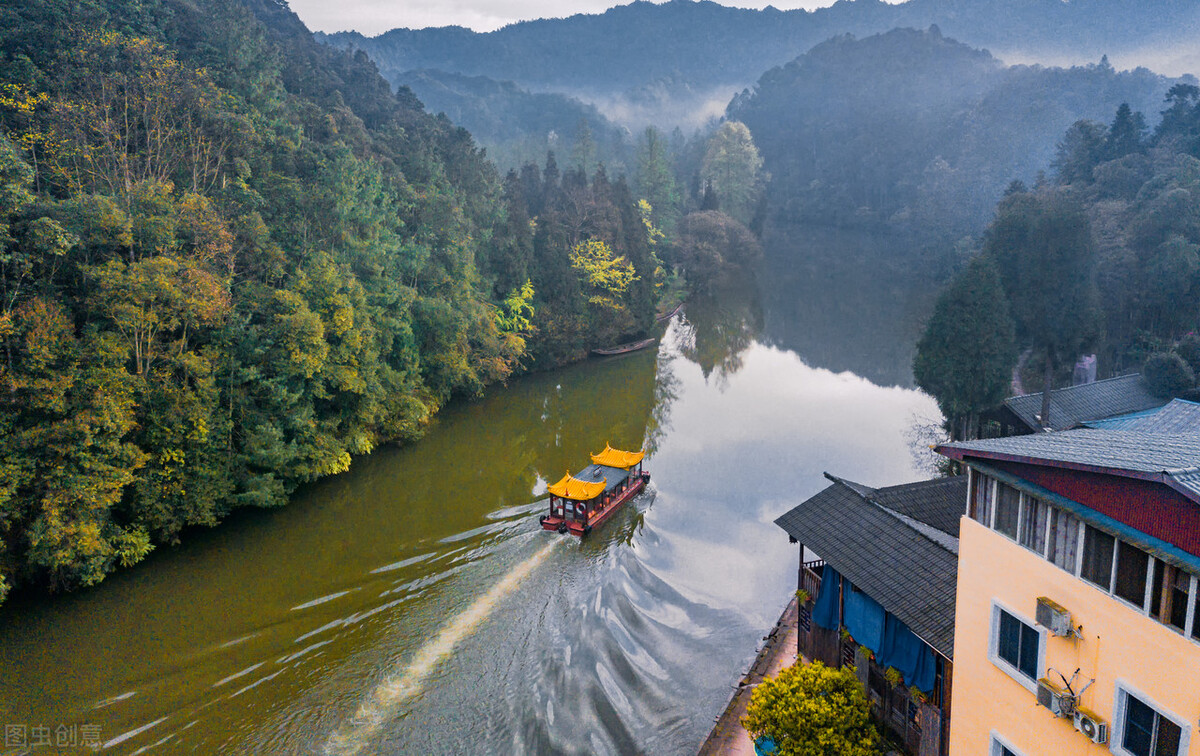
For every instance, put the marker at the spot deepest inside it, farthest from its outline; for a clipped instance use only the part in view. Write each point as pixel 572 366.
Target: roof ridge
pixel 912 523
pixel 918 527
pixel 1068 388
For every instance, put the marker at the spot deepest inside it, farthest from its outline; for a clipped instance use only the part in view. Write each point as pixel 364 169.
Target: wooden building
pixel 879 596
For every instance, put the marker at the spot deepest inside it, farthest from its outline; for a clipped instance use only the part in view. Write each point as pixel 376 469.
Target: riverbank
pixel 779 651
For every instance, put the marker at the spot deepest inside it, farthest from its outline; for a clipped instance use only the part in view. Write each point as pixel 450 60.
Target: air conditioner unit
pixel 1060 702
pixel 1053 617
pixel 1095 728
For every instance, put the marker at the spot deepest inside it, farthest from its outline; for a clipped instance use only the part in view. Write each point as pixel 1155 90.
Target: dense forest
pixel 674 62
pixel 1104 258
pixel 517 126
pixel 912 130
pixel 231 259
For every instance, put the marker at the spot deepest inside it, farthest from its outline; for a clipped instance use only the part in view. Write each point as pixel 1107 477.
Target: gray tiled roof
pixel 939 502
pixel 1073 405
pixel 1134 451
pixel 909 573
pixel 1177 417
pixel 1172 458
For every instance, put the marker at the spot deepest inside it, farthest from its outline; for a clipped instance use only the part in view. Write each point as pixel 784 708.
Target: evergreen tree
pixel 1043 246
pixel 1126 133
pixel 656 180
pixel 966 355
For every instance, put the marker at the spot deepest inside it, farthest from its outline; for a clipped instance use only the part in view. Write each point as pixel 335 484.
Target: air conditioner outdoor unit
pixel 1060 702
pixel 1095 728
pixel 1053 617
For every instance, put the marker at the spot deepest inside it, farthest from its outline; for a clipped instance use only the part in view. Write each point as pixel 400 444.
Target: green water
pixel 412 605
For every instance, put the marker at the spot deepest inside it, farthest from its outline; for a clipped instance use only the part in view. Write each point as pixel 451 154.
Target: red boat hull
pixel 580 528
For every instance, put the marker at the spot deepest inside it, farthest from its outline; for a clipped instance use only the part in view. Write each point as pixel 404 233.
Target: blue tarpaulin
pixel 864 618
pixel 826 609
pixel 893 644
pixel 909 654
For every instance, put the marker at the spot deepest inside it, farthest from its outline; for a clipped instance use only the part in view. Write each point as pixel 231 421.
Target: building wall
pixel 1151 507
pixel 1118 643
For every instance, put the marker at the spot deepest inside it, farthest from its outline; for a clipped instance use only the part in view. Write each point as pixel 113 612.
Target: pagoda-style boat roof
pixel 589 482
pixel 611 457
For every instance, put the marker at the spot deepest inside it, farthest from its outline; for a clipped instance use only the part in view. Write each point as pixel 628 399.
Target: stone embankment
pixel 779 651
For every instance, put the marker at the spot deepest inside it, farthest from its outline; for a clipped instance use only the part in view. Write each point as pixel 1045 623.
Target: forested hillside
pixel 517 126
pixel 667 63
pixel 915 130
pixel 231 259
pixel 1103 260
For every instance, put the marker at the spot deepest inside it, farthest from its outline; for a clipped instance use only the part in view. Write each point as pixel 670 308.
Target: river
pixel 412 605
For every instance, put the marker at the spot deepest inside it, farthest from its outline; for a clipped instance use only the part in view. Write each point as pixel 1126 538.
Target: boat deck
pixel 596 516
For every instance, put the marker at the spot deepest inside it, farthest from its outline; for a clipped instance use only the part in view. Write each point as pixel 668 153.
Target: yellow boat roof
pixel 611 457
pixel 579 490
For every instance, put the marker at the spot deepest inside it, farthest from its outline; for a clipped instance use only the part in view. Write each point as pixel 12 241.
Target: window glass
pixel 981 500
pixel 1033 524
pixel 1064 540
pixel 1196 615
pixel 1170 585
pixel 1147 732
pixel 1132 564
pixel 1097 558
pixel 1139 727
pixel 1008 501
pixel 1167 737
pixel 1029 652
pixel 1018 644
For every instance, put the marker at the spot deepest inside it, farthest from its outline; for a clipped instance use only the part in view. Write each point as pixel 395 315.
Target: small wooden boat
pixel 669 315
pixel 633 346
pixel 582 501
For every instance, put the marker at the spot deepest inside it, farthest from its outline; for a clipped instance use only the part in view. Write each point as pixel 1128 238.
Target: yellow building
pixel 1077 628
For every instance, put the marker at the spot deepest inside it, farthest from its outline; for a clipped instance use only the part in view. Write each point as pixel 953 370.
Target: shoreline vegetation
pixel 232 260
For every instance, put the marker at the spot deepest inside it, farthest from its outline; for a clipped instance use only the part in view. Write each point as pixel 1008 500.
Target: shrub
pixel 1189 349
pixel 813 710
pixel 1167 375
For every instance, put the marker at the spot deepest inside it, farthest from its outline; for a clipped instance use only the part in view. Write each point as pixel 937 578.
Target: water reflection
pixel 277 631
pixel 720 324
pixel 849 300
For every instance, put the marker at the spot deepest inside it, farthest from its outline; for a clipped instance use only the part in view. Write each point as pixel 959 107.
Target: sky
pixel 373 17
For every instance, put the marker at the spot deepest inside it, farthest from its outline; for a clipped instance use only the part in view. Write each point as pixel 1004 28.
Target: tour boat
pixel 582 501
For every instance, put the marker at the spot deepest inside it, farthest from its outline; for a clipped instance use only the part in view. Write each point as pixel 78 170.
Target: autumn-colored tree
pixel 813 710
pixel 607 276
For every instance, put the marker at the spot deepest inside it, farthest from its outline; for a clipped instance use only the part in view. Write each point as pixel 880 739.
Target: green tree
pixel 1043 246
pixel 1126 133
pixel 734 168
pixel 656 180
pixel 711 244
pixel 1168 375
pixel 813 710
pixel 583 151
pixel 1080 151
pixel 966 355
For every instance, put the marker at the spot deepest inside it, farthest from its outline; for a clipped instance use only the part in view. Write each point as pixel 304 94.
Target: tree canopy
pixel 966 355
pixel 231 260
pixel 813 710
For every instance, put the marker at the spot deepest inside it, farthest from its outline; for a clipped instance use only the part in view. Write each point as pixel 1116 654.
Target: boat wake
pixel 404 683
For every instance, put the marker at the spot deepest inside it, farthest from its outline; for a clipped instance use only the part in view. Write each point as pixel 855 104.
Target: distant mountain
pixel 646 61
pixel 912 128
pixel 515 125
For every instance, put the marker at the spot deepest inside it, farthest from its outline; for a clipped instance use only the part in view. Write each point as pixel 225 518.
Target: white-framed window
pixel 1001 746
pixel 1017 646
pixel 1141 727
